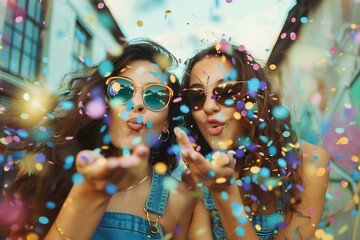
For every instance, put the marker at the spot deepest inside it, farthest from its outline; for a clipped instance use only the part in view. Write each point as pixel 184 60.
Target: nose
pixel 211 106
pixel 138 102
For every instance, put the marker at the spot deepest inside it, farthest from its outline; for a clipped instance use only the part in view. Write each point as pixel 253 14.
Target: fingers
pixel 181 137
pixel 87 161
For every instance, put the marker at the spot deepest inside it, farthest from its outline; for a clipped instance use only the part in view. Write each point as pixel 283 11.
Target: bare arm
pixel 201 167
pixel 87 202
pixel 80 214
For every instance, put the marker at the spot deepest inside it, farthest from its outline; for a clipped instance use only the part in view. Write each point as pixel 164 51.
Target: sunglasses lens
pixel 121 89
pixel 227 94
pixel 194 98
pixel 156 97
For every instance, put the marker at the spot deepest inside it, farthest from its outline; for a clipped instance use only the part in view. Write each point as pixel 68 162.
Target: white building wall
pixel 309 62
pixel 60 33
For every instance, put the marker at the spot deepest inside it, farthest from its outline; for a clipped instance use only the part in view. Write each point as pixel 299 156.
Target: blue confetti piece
pixel 66 105
pixel 233 74
pixel 280 112
pixel 40 157
pixel 77 178
pixel 22 133
pixel 105 68
pixel 264 172
pixel 281 162
pixel 240 232
pixel 43 220
pixel 139 119
pixel 211 174
pixel 107 138
pixel 303 20
pixel 149 124
pixel 229 102
pixel 272 150
pixel 126 152
pixel 124 115
pixel 88 61
pixel 110 188
pixel 264 139
pixel 50 205
pixel 69 160
pixel 224 196
pixel 184 109
pixel 130 106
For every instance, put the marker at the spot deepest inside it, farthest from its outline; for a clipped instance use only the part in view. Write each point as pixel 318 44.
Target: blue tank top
pixel 117 225
pixel 266 225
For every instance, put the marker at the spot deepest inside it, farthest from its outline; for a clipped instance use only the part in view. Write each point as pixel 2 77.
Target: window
pixel 21 38
pixel 81 49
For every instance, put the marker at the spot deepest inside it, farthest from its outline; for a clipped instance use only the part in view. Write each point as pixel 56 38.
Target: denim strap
pixel 208 199
pixel 158 196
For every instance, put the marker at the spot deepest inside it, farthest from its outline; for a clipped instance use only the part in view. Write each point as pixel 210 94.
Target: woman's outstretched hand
pixel 215 175
pixel 99 171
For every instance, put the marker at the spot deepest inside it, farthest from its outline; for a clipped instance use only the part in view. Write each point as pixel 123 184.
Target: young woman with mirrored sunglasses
pixel 105 162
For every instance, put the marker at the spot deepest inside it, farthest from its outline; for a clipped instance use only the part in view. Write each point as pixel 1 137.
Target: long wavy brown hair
pixel 262 130
pixel 70 129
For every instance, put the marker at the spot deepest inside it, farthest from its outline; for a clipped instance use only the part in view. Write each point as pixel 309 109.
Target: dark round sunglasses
pixel 156 96
pixel 226 94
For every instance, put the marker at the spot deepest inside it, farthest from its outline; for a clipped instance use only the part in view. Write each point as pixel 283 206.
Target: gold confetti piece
pixel 272 66
pixel 249 105
pixel 237 115
pixel 343 230
pixel 343 141
pixel 216 155
pixel 32 236
pixel 220 180
pixel 139 23
pixel 344 184
pixel 320 172
pixel 319 233
pixel 160 167
pixel 217 46
pixel 39 167
pixel 356 199
pixel 355 158
pixel 172 78
pixel 332 89
pixel 258 227
pixel 254 169
pixel 348 105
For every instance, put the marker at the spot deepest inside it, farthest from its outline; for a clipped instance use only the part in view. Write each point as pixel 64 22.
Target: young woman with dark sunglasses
pixel 105 175
pixel 256 179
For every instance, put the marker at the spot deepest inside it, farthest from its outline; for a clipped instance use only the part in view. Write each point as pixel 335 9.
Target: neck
pixel 135 176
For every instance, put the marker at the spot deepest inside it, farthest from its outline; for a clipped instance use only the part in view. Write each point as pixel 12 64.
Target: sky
pixel 185 26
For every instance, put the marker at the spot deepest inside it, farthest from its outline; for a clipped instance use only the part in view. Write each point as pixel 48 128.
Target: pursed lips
pixel 214 127
pixel 134 125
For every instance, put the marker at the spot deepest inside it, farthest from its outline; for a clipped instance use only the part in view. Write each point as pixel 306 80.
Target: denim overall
pixel 267 222
pixel 116 225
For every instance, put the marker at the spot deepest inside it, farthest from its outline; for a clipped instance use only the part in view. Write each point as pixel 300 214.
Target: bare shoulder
pixel 313 154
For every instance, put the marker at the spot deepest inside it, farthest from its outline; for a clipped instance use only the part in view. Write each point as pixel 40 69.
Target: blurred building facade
pixel 315 64
pixel 40 42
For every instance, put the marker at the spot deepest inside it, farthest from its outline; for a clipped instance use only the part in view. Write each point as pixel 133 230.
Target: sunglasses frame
pixel 111 79
pixel 212 92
